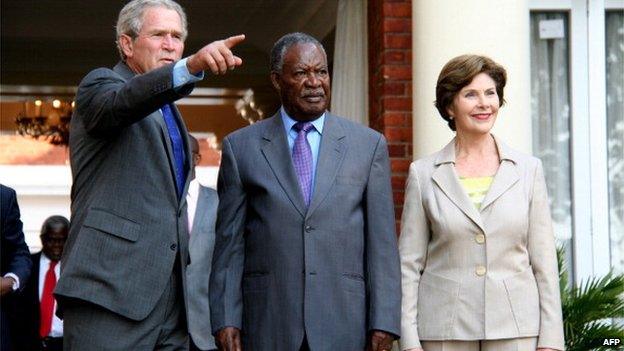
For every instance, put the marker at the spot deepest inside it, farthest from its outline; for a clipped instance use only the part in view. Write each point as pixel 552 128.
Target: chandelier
pixel 247 108
pixel 45 120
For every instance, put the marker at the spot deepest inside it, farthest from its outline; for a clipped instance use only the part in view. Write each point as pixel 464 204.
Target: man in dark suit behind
pixel 35 325
pixel 16 264
pixel 306 255
pixel 202 214
pixel 123 277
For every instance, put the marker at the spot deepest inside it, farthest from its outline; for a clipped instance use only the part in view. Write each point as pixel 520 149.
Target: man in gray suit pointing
pixel 123 277
pixel 305 255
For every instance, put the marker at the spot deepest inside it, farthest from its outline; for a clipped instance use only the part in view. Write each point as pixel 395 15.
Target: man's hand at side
pixel 6 286
pixel 380 341
pixel 228 339
pixel 216 56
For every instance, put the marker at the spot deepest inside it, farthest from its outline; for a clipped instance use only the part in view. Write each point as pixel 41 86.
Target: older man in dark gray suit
pixel 123 276
pixel 306 255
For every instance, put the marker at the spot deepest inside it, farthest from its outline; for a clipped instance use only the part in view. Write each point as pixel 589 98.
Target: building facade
pixel 565 63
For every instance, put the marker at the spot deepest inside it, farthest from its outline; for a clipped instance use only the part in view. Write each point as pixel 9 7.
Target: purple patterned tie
pixel 302 159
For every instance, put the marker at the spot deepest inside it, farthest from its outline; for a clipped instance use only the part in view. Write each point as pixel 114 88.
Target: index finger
pixel 234 40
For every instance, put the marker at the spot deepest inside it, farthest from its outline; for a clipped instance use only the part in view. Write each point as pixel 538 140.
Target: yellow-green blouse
pixel 476 188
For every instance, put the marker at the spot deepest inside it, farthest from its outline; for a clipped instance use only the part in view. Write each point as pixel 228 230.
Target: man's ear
pixel 275 81
pixel 126 44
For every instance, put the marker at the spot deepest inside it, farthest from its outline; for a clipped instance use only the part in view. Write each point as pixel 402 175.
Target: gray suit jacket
pixel 201 244
pixel 330 272
pixel 473 274
pixel 127 223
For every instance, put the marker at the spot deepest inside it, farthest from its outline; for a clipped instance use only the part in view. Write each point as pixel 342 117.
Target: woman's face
pixel 475 107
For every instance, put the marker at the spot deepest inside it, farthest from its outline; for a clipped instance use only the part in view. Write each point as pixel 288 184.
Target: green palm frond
pixel 588 308
pixel 591 336
pixel 596 299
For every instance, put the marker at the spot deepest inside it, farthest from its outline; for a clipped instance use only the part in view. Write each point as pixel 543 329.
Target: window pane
pixel 550 113
pixel 614 34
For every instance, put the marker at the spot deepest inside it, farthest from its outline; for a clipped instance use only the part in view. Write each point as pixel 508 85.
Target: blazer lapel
pixel 331 154
pixel 33 289
pixel 278 156
pixel 187 148
pixel 160 120
pixel 505 177
pixel 446 178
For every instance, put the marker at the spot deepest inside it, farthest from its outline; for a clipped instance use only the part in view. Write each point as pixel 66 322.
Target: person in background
pixel 202 205
pixel 305 255
pixel 478 260
pixel 16 265
pixel 124 268
pixel 35 326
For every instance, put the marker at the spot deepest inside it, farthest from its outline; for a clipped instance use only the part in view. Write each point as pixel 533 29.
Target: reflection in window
pixel 550 112
pixel 614 34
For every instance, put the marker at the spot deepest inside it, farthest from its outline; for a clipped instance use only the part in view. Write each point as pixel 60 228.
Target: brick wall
pixel 390 84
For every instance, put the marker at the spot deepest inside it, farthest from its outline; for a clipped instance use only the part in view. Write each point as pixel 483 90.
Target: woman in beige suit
pixel 477 247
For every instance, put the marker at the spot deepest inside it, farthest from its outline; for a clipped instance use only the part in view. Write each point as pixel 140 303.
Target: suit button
pixel 479 238
pixel 480 270
pixel 308 228
pixel 173 247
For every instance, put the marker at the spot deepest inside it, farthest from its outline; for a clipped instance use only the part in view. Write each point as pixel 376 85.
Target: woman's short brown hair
pixel 459 72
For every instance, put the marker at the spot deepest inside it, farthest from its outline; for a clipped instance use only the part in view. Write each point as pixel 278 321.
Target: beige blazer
pixel 471 274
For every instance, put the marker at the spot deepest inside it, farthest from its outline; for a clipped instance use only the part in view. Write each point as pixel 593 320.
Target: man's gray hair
pixel 286 42
pixel 130 18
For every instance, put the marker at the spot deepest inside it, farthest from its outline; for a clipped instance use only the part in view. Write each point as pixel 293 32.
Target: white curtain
pixel 550 112
pixel 350 72
pixel 615 132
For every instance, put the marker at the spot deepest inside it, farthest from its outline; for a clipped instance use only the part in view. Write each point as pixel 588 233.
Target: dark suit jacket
pixel 201 245
pixel 281 270
pixel 25 319
pixel 15 255
pixel 128 225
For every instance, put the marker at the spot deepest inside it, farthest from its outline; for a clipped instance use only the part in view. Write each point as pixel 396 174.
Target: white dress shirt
pixel 191 202
pixel 44 263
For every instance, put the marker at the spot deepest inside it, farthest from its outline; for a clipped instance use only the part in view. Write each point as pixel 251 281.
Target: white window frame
pixel 590 197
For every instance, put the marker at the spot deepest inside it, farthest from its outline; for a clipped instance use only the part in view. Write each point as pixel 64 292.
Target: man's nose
pixel 167 42
pixel 313 80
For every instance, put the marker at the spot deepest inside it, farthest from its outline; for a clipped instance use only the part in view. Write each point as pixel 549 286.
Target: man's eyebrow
pixel 164 30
